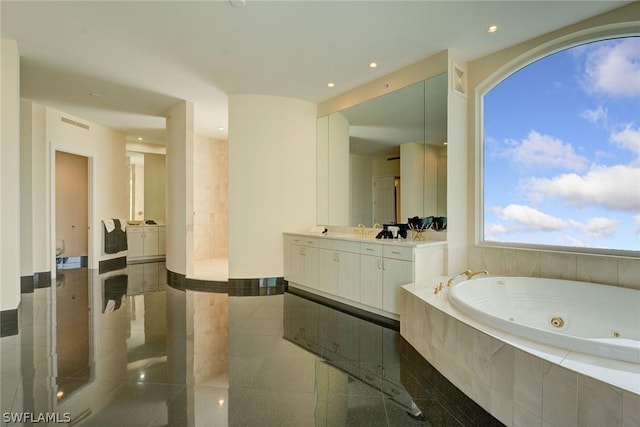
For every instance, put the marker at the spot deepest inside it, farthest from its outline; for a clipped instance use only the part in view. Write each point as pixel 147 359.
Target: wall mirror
pixel 385 160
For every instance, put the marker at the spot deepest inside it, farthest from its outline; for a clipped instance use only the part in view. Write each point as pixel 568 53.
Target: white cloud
pixel 614 188
pixel 628 139
pixel 539 149
pixel 597 226
pixel 614 68
pixel 493 231
pixel 531 219
pixel 574 241
pixel 598 116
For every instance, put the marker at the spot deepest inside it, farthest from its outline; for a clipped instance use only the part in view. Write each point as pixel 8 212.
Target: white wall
pixel 458 177
pixel 412 172
pixel 179 162
pixel 339 203
pixel 109 188
pixel 332 149
pixel 272 179
pixel 322 170
pixel 9 175
pixel 155 187
pixel 34 190
pixel 361 190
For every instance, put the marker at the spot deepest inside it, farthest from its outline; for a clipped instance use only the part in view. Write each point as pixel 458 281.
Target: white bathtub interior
pixel 594 319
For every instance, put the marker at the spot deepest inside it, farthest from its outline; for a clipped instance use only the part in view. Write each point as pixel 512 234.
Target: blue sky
pixel 562 150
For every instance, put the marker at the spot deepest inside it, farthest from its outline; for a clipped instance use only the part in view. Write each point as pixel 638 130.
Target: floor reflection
pixel 123 348
pixel 72 337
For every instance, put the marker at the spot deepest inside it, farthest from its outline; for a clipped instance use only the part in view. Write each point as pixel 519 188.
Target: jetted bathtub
pixel 588 318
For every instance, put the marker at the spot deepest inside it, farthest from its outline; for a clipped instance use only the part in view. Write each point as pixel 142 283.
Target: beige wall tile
pixel 528 382
pixel 629 273
pixel 630 409
pixel 559 395
pixel 599 404
pixel 524 418
pixel 597 269
pixel 558 265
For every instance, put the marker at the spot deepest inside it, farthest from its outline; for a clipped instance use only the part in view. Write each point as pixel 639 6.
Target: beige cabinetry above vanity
pixel 365 273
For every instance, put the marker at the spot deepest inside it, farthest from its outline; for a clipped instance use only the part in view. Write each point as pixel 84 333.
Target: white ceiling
pixel 144 56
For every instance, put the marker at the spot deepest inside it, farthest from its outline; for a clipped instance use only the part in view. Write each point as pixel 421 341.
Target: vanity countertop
pixel 408 242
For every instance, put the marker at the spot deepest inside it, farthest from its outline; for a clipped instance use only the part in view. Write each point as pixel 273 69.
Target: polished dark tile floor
pixel 112 350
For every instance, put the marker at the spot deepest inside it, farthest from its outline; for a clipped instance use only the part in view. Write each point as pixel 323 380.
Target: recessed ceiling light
pixel 220 128
pixel 492 28
pixel 445 143
pixel 139 138
pixel 373 65
pixel 95 94
pixel 331 84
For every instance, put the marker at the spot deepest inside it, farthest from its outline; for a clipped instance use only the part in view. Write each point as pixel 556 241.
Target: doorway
pixel 72 295
pixel 72 210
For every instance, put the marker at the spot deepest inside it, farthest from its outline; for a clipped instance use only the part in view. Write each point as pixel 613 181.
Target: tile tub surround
pixel 603 269
pixel 518 381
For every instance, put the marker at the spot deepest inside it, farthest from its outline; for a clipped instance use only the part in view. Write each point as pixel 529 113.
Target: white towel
pixel 317 229
pixel 109 225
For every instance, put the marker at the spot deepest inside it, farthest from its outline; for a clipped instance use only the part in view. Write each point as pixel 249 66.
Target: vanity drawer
pixel 305 241
pixel 398 252
pixel 371 249
pixel 339 245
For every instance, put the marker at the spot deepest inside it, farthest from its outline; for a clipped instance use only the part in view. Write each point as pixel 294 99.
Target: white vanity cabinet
pixel 397 270
pixel 384 269
pixel 303 253
pixel 145 241
pixel 365 273
pixel 339 268
pixel 371 271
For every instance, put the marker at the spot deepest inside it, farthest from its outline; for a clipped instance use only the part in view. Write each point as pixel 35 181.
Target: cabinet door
pixel 296 267
pixel 396 273
pixel 151 241
pixel 371 280
pixel 348 264
pixel 162 239
pixel 310 267
pixel 328 271
pixel 135 242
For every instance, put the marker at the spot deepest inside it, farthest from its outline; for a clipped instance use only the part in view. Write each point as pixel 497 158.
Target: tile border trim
pixel 233 287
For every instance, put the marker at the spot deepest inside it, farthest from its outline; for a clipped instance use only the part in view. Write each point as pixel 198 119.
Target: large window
pixel 562 150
